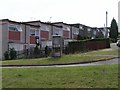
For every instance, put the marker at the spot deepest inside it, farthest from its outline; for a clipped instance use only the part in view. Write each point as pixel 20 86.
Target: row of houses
pixel 24 35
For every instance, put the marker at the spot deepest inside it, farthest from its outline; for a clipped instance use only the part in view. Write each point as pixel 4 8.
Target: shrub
pixel 6 55
pixel 36 51
pixel 13 53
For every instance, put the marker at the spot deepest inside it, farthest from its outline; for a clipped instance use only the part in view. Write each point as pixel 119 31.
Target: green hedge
pixel 84 45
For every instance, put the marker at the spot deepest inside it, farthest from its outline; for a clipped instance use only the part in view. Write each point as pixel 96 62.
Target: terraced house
pixel 17 35
pixel 25 35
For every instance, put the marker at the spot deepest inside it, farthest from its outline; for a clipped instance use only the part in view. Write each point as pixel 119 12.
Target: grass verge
pixel 102 76
pixel 72 58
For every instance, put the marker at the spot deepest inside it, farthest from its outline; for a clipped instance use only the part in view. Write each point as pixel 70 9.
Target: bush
pixel 13 53
pixel 36 51
pixel 79 37
pixel 6 55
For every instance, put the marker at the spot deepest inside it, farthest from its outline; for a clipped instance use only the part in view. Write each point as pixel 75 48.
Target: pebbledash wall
pixel 22 35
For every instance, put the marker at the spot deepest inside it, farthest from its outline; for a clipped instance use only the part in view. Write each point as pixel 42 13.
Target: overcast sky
pixel 88 12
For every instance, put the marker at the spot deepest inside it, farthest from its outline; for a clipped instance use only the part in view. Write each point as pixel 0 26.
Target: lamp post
pixel 106 32
pixel 106 18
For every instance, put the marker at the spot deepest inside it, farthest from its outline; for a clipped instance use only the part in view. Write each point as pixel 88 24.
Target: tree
pixel 113 30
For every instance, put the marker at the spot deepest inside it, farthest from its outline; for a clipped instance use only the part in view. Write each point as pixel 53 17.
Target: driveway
pixel 114 46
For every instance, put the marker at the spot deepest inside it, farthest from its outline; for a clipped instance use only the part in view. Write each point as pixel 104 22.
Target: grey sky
pixel 88 12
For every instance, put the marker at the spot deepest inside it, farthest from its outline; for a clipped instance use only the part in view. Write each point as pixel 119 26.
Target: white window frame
pixel 88 29
pixel 37 33
pixel 81 27
pixel 32 32
pixel 18 27
pixel 76 31
pixel 44 28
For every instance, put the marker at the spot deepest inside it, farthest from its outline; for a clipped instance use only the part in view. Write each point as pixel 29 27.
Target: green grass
pixel 72 58
pixel 104 52
pixel 102 76
pixel 64 59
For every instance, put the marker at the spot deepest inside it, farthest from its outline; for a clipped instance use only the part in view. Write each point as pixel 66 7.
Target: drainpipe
pixel 25 36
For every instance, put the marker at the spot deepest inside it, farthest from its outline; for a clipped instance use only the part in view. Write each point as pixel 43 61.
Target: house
pixel 25 35
pixel 65 28
pixel 16 35
pixel 74 32
pixel 46 32
pixel 66 31
pixel 84 31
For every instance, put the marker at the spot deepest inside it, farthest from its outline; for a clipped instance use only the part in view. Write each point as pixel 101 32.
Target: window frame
pixel 17 28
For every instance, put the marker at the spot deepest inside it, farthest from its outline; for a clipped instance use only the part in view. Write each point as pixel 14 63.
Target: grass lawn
pixel 104 52
pixel 71 58
pixel 102 76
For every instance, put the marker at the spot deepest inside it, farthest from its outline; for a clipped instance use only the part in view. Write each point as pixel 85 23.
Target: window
pixel 98 30
pixel 43 27
pixel 76 31
pixel 34 32
pixel 57 32
pixel 81 27
pixel 15 28
pixel 95 32
pixel 66 28
pixel 88 29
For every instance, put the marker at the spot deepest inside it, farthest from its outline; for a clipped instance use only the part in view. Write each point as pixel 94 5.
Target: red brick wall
pixel 66 34
pixel 13 35
pixel 45 34
pixel 32 40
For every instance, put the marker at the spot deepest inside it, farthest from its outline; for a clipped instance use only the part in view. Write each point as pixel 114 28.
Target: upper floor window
pixel 34 32
pixel 66 28
pixel 15 28
pixel 95 32
pixel 98 30
pixel 81 27
pixel 45 28
pixel 76 31
pixel 88 29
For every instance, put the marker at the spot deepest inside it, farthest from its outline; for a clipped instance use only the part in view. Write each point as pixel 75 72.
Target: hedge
pixel 89 44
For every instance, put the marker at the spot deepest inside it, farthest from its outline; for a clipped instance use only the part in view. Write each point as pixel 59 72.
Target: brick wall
pixel 13 35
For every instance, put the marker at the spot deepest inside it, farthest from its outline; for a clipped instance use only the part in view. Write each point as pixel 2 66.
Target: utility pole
pixel 50 19
pixel 106 33
pixel 106 18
